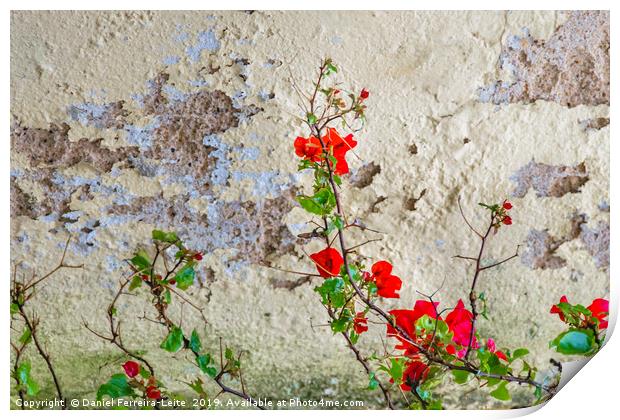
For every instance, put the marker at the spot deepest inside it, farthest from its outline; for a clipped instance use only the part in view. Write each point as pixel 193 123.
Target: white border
pixel 590 394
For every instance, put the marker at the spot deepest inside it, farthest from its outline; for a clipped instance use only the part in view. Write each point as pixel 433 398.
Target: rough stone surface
pixel 128 121
pixel 570 68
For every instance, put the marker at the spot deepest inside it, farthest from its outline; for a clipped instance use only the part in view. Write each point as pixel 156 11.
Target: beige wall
pixel 100 99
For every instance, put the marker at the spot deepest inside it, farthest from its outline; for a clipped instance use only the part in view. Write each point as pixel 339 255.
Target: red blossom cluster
pixel 599 309
pixel 311 149
pixel 132 369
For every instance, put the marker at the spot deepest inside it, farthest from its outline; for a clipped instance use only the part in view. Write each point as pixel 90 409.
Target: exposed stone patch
pixel 570 68
pixel 110 115
pixel 540 251
pixel 364 175
pixel 22 204
pixel 541 246
pixel 593 123
pixel 549 180
pixel 253 229
pixel 411 202
pixel 52 148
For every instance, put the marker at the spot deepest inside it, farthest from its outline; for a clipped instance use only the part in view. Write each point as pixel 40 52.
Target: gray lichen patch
pixel 549 180
pixel 570 68
pixel 595 240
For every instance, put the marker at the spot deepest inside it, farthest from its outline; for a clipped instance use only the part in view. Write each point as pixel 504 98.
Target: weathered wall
pixel 126 121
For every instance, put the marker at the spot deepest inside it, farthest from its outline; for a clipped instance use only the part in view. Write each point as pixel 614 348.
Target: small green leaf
pixel 23 375
pixel 116 387
pixel 174 341
pixel 144 372
pixel 460 376
pixel 229 355
pixel 311 118
pixel 135 283
pixel 395 369
pixel 501 392
pixel 372 383
pixel 518 353
pixel 332 292
pixel 141 260
pixel 203 362
pixel 185 277
pixel 168 297
pixel 160 235
pixel 339 325
pixel 26 336
pixel 194 342
pixel 14 308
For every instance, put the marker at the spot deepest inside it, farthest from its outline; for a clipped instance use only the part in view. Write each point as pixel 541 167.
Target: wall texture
pixel 126 121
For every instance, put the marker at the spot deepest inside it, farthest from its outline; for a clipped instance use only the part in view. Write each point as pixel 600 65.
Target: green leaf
pixel 203 362
pixel 501 392
pixel 518 353
pixel 461 376
pixel 330 68
pixel 174 341
pixel 574 341
pixel 141 260
pixel 135 283
pixel 160 235
pixel 23 375
pixel 194 342
pixel 372 383
pixel 26 336
pixel 168 297
pixel 144 372
pixel 185 277
pixel 311 118
pixel 332 292
pixel 395 369
pixel 321 203
pixel 340 325
pixel 116 387
pixel 14 308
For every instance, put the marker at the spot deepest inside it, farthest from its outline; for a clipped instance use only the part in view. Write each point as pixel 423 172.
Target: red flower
pixel 556 310
pixel 360 323
pixel 339 147
pixel 153 393
pixel 131 368
pixel 600 309
pixel 308 148
pixel 312 150
pixel 173 282
pixel 198 256
pixel 415 372
pixel 364 94
pixel 387 284
pixel 491 348
pixel 507 205
pixel 405 319
pixel 459 322
pixel 144 276
pixel 507 220
pixel 328 262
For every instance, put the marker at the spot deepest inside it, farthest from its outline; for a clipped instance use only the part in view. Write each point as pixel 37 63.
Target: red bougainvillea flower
pixel 415 372
pixel 507 205
pixel 153 393
pixel 364 94
pixel 387 284
pixel 328 262
pixel 507 220
pixel 131 368
pixel 405 319
pixel 491 348
pixel 360 323
pixel 600 309
pixel 459 322
pixel 556 310
pixel 198 256
pixel 339 147
pixel 309 148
